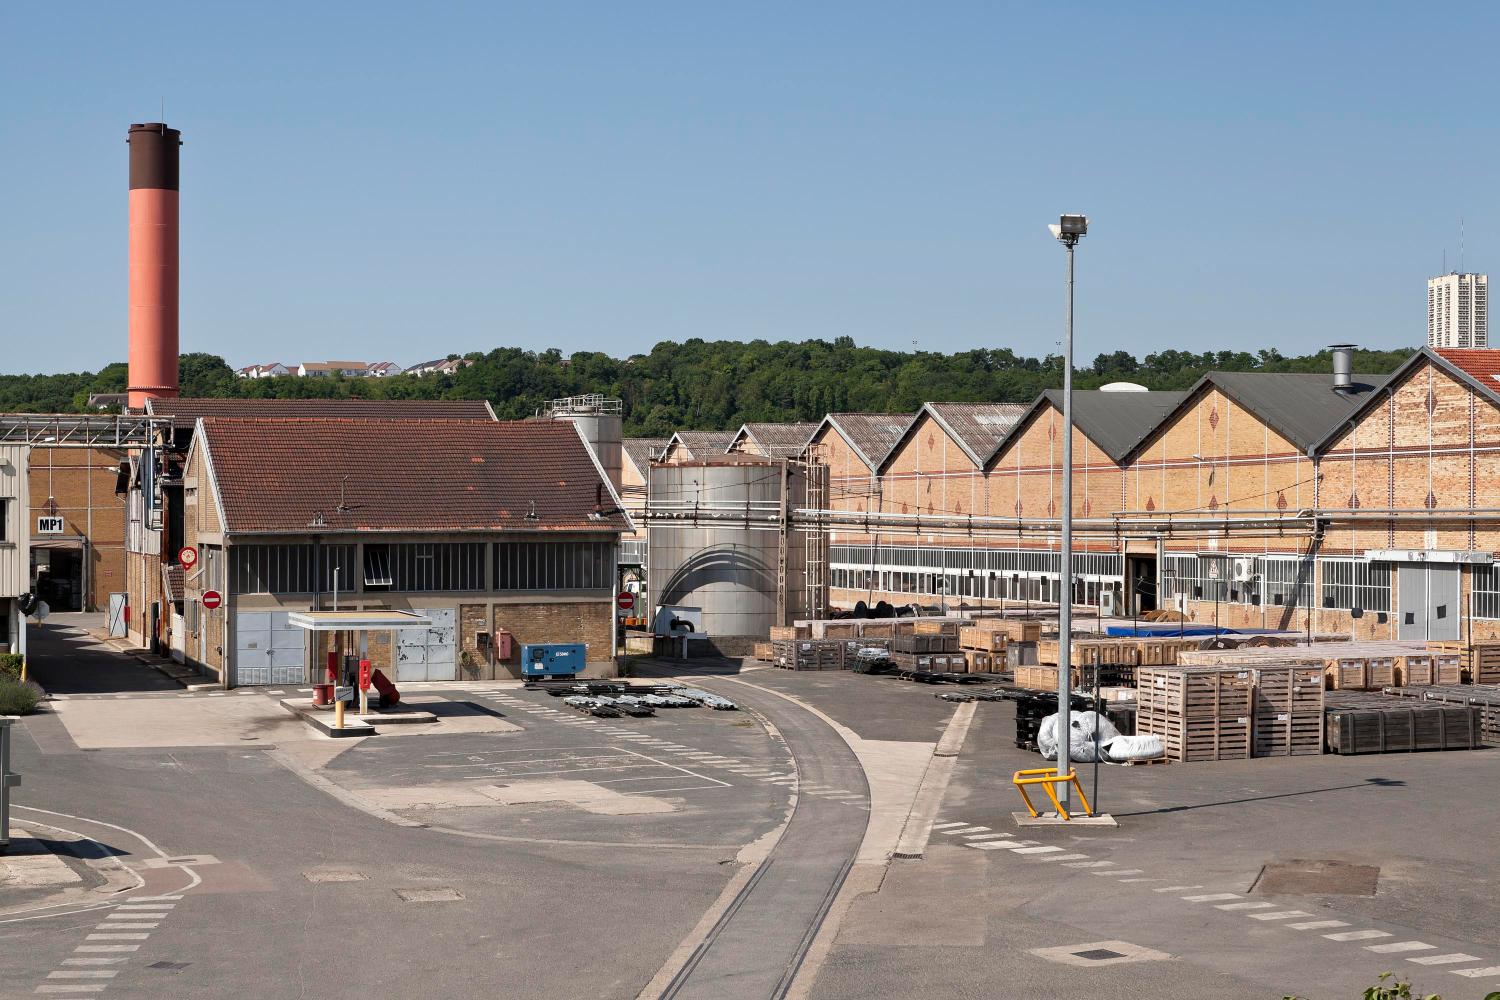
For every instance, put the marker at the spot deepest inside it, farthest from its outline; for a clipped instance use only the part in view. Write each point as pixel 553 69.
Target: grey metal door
pixel 429 654
pixel 267 649
pixel 117 605
pixel 1427 598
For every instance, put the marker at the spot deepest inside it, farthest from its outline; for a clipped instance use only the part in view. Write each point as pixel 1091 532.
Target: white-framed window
pixel 1353 583
pixel 1486 589
pixel 1286 581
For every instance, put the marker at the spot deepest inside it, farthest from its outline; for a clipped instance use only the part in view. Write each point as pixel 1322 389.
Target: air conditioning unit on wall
pixel 1244 570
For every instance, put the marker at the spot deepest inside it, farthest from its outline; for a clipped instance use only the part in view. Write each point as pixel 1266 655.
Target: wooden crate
pixel 876 629
pixel 1288 717
pixel 937 627
pixel 1481 660
pixel 1036 678
pixel 788 633
pixel 1046 652
pixel 1347 673
pixel 1200 713
pixel 809 654
pixel 765 652
pixel 1380 671
pixel 847 629
pixel 1414 669
pixel 981 663
pixel 982 638
pixel 1150 653
pixel 1407 727
pixel 1447 668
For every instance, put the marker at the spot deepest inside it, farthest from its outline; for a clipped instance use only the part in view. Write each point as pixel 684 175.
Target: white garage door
pixel 267 650
pixel 429 654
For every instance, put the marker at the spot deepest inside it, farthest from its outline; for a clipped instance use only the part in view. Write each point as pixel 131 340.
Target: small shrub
pixel 17 698
pixel 10 665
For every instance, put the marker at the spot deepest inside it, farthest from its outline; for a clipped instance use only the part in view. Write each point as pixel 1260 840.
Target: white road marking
pixel 1317 925
pixel 991 845
pixel 1176 888
pixel 1044 849
pixel 1121 871
pixel 1062 857
pixel 1279 915
pixel 1088 864
pixel 984 836
pixel 1139 879
pixel 117 937
pixel 1212 897
pixel 1244 906
pixel 84 974
pixel 152 899
pixel 1452 958
pixel 94 961
pixel 72 988
pixel 1399 947
pixel 1356 935
pixel 969 829
pixel 107 947
pixel 944 826
pixel 130 927
pixel 1485 973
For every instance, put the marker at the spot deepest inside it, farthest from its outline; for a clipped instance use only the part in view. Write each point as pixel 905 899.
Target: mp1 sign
pixel 49 525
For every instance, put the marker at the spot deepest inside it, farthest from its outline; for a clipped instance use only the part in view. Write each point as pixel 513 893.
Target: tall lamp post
pixel 1068 231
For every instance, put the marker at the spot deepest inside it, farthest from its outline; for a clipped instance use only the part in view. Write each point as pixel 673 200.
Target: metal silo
pixel 715 535
pixel 599 420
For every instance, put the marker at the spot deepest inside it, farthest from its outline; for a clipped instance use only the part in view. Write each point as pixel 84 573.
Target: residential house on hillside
pixel 269 370
pixel 348 369
pixel 442 366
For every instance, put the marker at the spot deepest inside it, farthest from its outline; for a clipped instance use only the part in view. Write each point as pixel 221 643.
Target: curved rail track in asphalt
pixel 757 946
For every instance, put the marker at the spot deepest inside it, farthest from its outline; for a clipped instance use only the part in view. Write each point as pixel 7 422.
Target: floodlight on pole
pixel 1068 231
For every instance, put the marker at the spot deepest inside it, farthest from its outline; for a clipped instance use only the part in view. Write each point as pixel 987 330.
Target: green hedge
pixel 17 698
pixel 10 665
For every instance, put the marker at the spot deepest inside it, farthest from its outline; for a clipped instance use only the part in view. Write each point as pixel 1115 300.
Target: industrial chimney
pixel 1343 367
pixel 153 262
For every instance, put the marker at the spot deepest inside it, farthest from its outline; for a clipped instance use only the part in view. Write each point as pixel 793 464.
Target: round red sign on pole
pixel 188 556
pixel 212 599
pixel 625 600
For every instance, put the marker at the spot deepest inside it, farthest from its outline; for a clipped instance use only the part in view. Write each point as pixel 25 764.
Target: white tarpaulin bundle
pixel 1080 736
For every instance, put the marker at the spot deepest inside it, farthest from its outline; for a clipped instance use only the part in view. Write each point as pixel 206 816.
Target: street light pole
pixel 1069 230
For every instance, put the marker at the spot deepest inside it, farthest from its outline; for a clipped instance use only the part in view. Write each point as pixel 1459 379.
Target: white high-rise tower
pixel 1458 310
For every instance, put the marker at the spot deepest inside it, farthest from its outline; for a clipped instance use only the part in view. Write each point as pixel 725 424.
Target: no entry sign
pixel 625 600
pixel 212 599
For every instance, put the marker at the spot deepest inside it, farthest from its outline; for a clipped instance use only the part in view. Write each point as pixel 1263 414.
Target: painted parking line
pixel 1357 935
pixel 1452 958
pixel 1399 947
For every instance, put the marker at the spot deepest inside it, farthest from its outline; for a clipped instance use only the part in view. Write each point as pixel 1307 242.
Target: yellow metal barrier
pixel 1047 777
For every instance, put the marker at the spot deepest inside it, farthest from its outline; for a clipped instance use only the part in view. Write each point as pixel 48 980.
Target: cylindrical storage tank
pixel 602 431
pixel 726 567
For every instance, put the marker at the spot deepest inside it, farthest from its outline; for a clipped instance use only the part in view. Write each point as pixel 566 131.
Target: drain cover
pixel 439 895
pixel 169 966
pixel 334 875
pixel 1098 954
pixel 1316 878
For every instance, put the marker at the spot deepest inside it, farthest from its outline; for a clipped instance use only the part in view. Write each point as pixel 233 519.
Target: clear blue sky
pixel 388 181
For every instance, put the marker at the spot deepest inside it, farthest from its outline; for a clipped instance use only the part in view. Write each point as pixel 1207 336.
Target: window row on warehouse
pixel 423 567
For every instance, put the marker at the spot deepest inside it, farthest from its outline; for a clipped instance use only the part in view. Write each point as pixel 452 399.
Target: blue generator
pixel 553 659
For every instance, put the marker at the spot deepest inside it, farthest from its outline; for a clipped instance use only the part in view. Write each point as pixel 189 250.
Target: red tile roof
pixel 404 475
pixel 191 408
pixel 1481 365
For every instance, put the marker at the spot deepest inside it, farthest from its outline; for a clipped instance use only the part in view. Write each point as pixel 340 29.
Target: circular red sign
pixel 188 556
pixel 212 599
pixel 625 600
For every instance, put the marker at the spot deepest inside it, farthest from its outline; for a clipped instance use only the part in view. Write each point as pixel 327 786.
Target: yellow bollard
pixel 23 671
pixel 338 715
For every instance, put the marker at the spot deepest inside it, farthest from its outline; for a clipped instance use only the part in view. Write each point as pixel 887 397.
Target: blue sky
pixel 391 181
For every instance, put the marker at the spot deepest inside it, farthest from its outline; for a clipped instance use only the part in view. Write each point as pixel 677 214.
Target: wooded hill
pixel 709 385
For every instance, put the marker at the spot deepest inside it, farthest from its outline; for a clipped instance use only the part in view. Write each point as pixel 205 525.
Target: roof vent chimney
pixel 1343 367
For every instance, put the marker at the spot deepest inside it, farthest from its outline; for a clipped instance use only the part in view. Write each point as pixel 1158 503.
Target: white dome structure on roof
pixel 1123 387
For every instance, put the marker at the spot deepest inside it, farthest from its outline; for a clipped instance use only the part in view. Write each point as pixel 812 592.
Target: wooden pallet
pixel 1288 718
pixel 809 654
pixel 789 633
pixel 1200 713
pixel 765 652
pixel 982 639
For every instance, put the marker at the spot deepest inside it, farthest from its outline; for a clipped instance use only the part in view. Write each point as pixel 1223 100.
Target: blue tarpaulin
pixel 1167 630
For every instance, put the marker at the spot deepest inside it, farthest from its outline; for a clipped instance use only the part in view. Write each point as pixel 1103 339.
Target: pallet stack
pixel 1485 697
pixel 809 654
pixel 1200 713
pixel 1398 728
pixel 1480 660
pixel 983 646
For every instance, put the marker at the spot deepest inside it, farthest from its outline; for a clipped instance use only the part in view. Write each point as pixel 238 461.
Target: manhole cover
pixel 1098 954
pixel 169 966
pixel 334 875
pixel 1316 878
pixel 440 895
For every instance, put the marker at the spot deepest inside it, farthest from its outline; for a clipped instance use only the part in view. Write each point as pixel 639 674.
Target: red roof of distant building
pixel 1479 364
pixel 287 476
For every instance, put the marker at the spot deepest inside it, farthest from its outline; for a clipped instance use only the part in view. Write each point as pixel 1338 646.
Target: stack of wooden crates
pixel 984 642
pixel 1480 660
pixel 1232 713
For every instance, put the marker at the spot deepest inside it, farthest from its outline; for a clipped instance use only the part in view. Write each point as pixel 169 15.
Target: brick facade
pixel 78 485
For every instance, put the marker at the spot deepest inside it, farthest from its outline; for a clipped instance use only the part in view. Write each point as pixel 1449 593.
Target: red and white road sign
pixel 364 675
pixel 212 599
pixel 188 557
pixel 625 600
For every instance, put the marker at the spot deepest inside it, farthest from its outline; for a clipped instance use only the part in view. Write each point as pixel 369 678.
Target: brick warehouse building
pixel 78 526
pixel 1265 500
pixel 487 527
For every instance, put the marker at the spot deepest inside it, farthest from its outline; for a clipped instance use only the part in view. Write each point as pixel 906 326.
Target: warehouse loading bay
pixel 838 833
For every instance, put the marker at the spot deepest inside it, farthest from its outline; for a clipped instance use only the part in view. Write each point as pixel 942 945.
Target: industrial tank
pixel 712 529
pixel 599 420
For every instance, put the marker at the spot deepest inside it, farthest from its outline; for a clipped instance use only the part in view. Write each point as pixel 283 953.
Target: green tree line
pixel 708 385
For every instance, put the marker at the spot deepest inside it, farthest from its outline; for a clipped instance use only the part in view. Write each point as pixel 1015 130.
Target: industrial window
pixel 285 569
pixel 1353 583
pixel 1196 578
pixel 377 567
pixel 1486 592
pixel 554 566
pixel 4 519
pixel 429 566
pixel 1287 581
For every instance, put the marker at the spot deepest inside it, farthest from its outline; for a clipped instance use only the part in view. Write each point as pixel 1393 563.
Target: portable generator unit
pixel 553 659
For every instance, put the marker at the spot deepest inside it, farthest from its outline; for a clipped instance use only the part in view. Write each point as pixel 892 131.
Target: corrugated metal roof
pixel 977 427
pixel 871 435
pixel 642 450
pixel 191 408
pixel 1117 421
pixel 429 476
pixel 702 444
pixel 779 440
